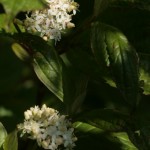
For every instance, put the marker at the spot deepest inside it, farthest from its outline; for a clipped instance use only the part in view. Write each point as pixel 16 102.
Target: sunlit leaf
pixel 87 128
pixel 11 142
pixel 124 140
pixel 114 53
pixel 3 19
pixel 89 135
pixel 3 134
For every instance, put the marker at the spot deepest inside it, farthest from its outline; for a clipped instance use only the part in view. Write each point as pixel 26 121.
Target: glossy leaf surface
pixel 113 51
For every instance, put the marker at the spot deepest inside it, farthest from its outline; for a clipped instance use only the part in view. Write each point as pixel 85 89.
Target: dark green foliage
pixel 98 74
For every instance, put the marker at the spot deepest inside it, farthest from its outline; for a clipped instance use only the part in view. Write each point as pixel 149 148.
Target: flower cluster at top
pixel 50 129
pixel 50 21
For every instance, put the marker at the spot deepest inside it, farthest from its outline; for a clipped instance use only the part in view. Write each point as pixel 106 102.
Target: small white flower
pixel 28 114
pixel 50 21
pixel 48 128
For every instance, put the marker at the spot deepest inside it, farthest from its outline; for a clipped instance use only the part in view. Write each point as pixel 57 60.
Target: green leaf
pixel 89 135
pixel 47 64
pixel 3 134
pixel 52 71
pixel 124 140
pixel 49 70
pixel 11 142
pixel 86 128
pixel 13 7
pixel 107 119
pixel 114 53
pixel 3 18
pixel 145 73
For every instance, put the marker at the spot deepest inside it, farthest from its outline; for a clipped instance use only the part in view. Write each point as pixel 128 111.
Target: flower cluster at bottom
pixel 48 128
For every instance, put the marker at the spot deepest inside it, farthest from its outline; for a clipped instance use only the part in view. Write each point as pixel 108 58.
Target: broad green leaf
pixel 86 128
pixel 49 71
pixel 124 140
pixel 145 73
pixel 107 119
pixel 48 67
pixel 3 134
pixel 13 7
pixel 114 53
pixel 47 64
pixel 89 135
pixel 11 142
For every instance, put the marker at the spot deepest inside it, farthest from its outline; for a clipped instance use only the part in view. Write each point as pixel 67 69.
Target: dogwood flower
pixel 48 128
pixel 50 21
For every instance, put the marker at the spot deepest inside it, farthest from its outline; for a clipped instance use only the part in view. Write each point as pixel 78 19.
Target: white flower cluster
pixel 50 21
pixel 48 128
